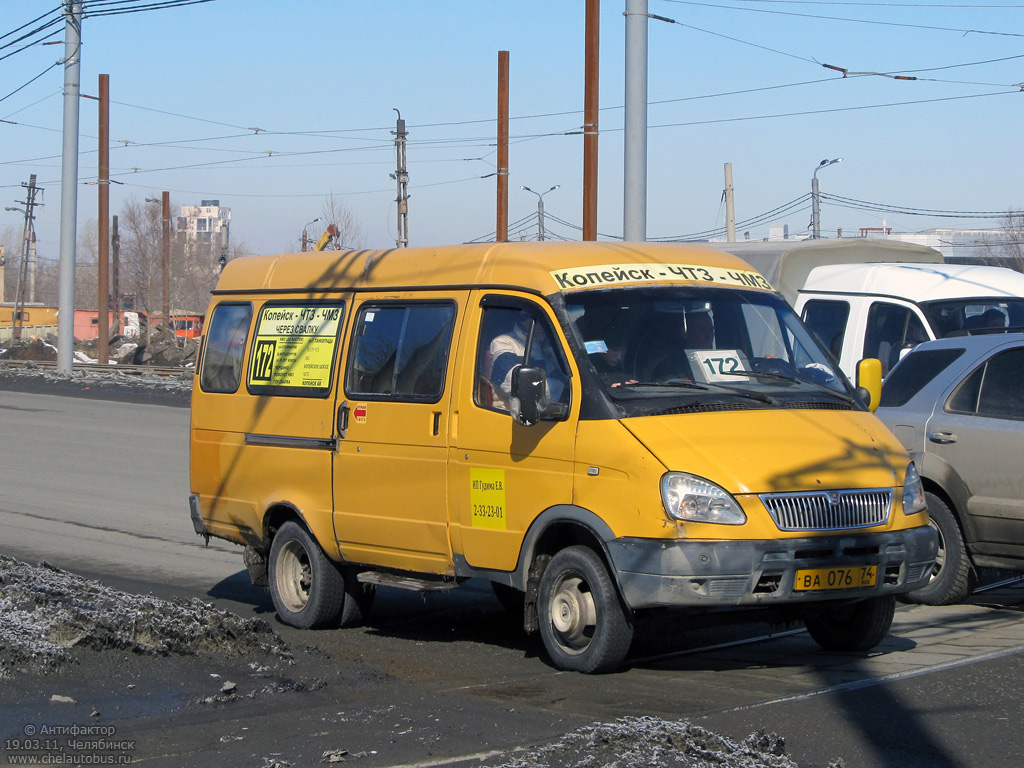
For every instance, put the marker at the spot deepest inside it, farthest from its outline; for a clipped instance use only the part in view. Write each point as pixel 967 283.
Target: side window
pixel 225 348
pixel 892 330
pixel 400 351
pixel 827 321
pixel 994 389
pixel 509 338
pixel 914 373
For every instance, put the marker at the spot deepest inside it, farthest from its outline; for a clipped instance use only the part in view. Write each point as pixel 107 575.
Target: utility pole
pixel 165 255
pixel 103 234
pixel 401 176
pixel 730 206
pixel 69 186
pixel 634 212
pixel 591 69
pixel 115 278
pixel 27 254
pixel 501 235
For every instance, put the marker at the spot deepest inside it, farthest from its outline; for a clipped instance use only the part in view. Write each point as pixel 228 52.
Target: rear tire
pixel 852 626
pixel 306 586
pixel 952 578
pixel 582 621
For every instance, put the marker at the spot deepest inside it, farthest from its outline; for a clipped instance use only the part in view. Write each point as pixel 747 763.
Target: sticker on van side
pixel 293 349
pixel 616 274
pixel 487 498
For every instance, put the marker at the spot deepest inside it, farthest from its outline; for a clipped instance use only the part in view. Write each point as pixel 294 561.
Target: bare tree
pixel 349 234
pixel 1005 249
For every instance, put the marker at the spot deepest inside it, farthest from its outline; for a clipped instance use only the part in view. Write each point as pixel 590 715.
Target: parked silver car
pixel 957 405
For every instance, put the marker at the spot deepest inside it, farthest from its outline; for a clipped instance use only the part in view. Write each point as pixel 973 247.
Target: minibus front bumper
pixel 684 573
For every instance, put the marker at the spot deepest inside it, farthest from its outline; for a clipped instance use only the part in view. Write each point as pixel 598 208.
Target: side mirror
pixel 530 402
pixel 869 382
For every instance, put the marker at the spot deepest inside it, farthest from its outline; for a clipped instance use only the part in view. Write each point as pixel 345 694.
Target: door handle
pixel 942 437
pixel 342 419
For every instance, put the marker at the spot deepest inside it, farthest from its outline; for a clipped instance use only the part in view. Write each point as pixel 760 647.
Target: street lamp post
pixel 305 237
pixel 165 252
pixel 540 209
pixel 816 197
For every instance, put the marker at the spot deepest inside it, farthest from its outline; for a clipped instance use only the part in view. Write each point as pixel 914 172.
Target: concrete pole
pixel 103 227
pixel 69 187
pixel 502 213
pixel 591 102
pixel 730 206
pixel 115 277
pixel 165 256
pixel 634 209
pixel 815 211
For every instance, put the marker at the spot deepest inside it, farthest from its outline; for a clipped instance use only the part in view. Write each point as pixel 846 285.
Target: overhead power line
pixel 931 27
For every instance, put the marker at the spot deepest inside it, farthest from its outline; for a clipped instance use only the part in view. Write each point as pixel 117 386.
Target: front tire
pixel 307 588
pixel 952 578
pixel 852 626
pixel 582 622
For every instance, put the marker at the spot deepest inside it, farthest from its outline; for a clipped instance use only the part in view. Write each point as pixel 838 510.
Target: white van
pixel 885 310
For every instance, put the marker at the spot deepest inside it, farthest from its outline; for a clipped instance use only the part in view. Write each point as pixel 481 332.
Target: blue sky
pixel 321 81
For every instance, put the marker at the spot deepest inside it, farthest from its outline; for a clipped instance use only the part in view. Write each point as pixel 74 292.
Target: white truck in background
pixel 880 298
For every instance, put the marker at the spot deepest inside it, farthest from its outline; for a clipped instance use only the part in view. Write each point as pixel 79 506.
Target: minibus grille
pixel 829 510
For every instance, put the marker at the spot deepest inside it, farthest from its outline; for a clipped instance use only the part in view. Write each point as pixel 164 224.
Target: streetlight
pixel 816 197
pixel 305 239
pixel 165 254
pixel 540 208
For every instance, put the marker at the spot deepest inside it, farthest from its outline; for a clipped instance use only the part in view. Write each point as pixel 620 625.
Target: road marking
pixel 879 680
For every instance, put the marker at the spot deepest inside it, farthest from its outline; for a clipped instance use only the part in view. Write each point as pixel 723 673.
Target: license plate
pixel 835 578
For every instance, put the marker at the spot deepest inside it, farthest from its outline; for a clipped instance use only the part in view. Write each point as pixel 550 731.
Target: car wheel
pixel 856 626
pixel 582 621
pixel 952 577
pixel 307 588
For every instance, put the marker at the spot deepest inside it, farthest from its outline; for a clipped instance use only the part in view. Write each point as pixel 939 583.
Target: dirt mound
pixel 30 349
pixel 46 612
pixel 163 348
pixel 651 741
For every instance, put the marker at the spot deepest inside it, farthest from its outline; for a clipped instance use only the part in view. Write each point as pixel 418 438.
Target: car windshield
pixel 705 343
pixel 950 318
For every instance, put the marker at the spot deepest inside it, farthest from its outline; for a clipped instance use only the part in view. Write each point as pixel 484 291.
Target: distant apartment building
pixel 205 227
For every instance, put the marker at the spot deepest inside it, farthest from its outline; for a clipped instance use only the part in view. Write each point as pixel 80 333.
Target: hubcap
pixel 573 614
pixel 294 576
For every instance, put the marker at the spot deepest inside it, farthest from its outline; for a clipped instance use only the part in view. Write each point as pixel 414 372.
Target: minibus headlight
pixel 696 500
pixel 913 492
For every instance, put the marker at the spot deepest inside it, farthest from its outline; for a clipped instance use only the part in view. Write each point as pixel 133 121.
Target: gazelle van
pixel 599 430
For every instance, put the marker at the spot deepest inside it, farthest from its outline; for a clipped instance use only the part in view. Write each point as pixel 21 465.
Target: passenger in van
pixel 504 353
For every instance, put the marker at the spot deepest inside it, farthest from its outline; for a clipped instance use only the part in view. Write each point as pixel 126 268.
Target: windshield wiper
pixel 792 380
pixel 688 383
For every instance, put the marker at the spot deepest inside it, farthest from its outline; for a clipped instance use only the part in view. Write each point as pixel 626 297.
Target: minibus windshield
pixel 701 342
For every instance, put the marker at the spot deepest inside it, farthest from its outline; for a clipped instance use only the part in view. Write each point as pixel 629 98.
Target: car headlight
pixel 913 492
pixel 694 499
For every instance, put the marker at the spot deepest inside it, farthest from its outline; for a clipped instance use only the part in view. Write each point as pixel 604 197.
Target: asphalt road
pixel 101 488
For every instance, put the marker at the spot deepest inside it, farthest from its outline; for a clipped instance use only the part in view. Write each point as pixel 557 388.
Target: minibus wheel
pixel 307 588
pixel 582 622
pixel 858 626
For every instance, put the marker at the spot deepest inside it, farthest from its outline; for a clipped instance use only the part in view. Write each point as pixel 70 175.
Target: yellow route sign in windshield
pixel 294 348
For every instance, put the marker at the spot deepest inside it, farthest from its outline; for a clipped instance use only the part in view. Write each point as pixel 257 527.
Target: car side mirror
pixel 869 382
pixel 530 402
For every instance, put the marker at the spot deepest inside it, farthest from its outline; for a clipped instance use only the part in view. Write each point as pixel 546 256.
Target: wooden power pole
pixel 502 229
